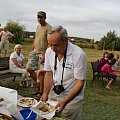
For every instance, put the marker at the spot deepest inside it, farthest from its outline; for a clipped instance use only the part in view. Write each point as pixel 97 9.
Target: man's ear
pixel 65 39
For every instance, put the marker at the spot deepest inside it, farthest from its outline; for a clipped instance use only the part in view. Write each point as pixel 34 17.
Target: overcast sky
pixel 82 18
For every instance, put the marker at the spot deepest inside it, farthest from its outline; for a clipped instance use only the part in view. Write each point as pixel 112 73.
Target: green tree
pixel 18 30
pixel 109 42
pixel 117 44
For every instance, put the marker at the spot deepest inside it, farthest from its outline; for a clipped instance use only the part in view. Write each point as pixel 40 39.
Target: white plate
pixel 28 102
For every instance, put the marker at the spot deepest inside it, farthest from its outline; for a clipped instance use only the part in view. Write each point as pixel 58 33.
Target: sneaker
pixel 38 96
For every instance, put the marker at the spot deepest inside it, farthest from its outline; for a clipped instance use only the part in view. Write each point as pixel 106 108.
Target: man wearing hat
pixel 40 45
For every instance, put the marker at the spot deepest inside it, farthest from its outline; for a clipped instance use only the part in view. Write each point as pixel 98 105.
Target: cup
pixel 14 111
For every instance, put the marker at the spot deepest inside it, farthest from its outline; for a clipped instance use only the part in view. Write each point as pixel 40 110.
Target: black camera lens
pixel 58 89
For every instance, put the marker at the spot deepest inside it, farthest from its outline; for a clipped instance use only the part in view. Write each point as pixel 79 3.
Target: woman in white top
pixel 17 64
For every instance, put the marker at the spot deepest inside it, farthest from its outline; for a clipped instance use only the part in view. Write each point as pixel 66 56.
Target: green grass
pixel 99 103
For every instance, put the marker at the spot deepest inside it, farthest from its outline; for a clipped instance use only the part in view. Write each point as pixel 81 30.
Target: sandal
pixel 38 96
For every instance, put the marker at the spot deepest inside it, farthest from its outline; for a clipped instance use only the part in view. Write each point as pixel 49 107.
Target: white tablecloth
pixel 9 96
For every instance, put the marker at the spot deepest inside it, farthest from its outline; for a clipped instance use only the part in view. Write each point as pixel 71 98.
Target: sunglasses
pixel 39 16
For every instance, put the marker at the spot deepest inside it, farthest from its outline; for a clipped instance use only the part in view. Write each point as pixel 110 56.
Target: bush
pixel 28 40
pixel 91 46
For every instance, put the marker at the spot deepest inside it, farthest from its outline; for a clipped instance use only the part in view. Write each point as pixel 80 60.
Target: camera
pixel 58 89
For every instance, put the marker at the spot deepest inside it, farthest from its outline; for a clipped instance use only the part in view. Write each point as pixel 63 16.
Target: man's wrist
pixel 66 99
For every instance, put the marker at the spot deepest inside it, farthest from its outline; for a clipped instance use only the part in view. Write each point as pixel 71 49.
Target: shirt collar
pixel 69 49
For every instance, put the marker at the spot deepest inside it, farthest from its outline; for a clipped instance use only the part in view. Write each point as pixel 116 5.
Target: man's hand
pixel 60 106
pixel 44 97
pixel 42 59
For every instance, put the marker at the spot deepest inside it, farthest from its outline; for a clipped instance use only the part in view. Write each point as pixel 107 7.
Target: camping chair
pixel 96 73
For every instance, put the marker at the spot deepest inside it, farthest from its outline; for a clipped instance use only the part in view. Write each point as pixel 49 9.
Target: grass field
pixel 99 104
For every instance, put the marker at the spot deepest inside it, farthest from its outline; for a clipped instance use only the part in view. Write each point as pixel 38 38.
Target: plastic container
pixel 14 111
pixel 27 114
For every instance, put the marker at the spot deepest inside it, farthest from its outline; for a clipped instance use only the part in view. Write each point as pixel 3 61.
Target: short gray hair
pixel 17 46
pixel 59 29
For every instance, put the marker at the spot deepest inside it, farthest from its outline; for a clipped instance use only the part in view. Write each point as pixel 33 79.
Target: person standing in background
pixel 4 43
pixel 40 45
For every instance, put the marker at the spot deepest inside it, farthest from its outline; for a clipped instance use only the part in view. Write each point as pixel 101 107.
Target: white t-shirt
pixel 75 68
pixel 19 60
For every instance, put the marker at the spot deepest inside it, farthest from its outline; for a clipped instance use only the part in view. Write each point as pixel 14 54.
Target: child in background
pixel 107 70
pixel 103 60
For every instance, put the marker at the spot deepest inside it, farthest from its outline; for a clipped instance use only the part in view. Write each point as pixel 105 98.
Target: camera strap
pixel 63 65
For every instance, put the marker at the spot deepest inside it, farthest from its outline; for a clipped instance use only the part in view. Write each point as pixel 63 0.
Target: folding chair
pixel 96 73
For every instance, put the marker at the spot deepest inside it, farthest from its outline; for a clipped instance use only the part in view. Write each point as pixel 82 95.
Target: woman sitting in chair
pixel 17 64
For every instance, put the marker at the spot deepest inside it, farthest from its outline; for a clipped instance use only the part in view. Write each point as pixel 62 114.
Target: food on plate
pixel 1 99
pixel 47 108
pixel 27 101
